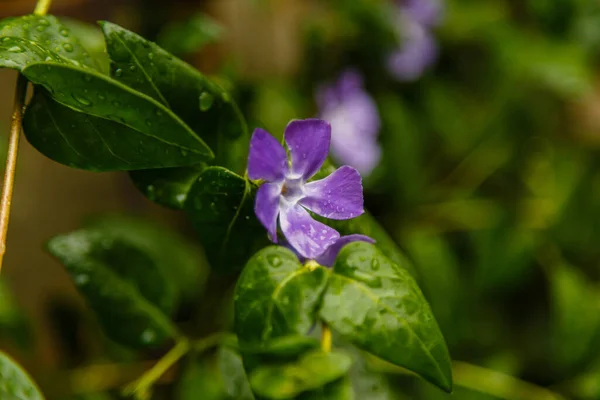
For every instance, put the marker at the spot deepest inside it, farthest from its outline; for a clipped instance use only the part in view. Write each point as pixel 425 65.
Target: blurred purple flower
pixel 419 49
pixel 286 195
pixel 327 259
pixel 354 121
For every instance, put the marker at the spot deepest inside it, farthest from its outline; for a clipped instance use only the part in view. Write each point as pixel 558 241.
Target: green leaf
pixel 163 139
pixel 33 38
pixel 284 346
pixel 337 390
pixel 168 187
pixel 310 372
pixel 276 296
pixel 233 375
pixel 121 283
pixel 91 38
pixel 13 324
pixel 367 225
pixel 200 379
pixel 575 322
pixel 180 260
pixel 221 207
pixel 379 307
pixel 15 383
pixel 204 106
pixel 190 35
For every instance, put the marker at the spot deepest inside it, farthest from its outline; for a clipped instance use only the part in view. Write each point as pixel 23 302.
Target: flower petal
pixel 339 196
pixel 354 128
pixel 308 141
pixel 266 207
pixel 310 238
pixel 418 52
pixel 267 158
pixel 327 259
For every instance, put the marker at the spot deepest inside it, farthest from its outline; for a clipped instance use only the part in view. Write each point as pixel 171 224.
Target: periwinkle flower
pixel 419 50
pixel 288 196
pixel 327 258
pixel 354 121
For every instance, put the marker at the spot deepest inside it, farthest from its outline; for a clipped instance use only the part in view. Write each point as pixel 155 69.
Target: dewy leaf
pixel 168 187
pixel 15 383
pixel 83 141
pixel 379 307
pixel 220 205
pixel 312 371
pixel 181 261
pixel 204 106
pixel 163 134
pixel 39 37
pixel 91 38
pixel 284 346
pixel 121 284
pixel 276 296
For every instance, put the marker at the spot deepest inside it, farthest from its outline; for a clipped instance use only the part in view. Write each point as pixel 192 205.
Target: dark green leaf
pixel 163 138
pixel 190 35
pixel 284 346
pixel 33 38
pixel 91 38
pixel 221 208
pixel 15 383
pixel 276 296
pixel 168 187
pixel 121 283
pixel 83 141
pixel 180 261
pixel 379 307
pixel 13 324
pixel 233 375
pixel 310 372
pixel 204 106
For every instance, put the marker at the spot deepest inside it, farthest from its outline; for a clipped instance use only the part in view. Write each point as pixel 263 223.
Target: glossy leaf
pixel 379 307
pixel 276 296
pixel 180 260
pixel 312 371
pixel 204 106
pixel 33 38
pixel 121 283
pixel 91 38
pixel 221 207
pixel 168 187
pixel 15 383
pixel 163 141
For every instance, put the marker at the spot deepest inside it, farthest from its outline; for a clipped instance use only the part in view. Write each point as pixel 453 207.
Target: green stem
pixel 141 387
pixel 201 345
pixel 325 337
pixel 42 7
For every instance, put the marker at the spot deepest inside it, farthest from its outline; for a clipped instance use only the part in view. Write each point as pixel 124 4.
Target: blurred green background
pixel 490 182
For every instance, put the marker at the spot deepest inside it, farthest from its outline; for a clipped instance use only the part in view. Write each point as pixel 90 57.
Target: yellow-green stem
pixel 8 183
pixel 325 337
pixel 141 387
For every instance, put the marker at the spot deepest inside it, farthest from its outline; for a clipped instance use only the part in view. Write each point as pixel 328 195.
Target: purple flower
pixel 286 195
pixel 354 121
pixel 419 49
pixel 327 259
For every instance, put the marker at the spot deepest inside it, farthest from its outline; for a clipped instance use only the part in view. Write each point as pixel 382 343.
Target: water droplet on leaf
pixel 118 72
pixel 206 101
pixel 82 100
pixel 64 32
pixel 275 261
pixel 16 49
pixel 375 264
pixel 148 336
pixel 68 47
